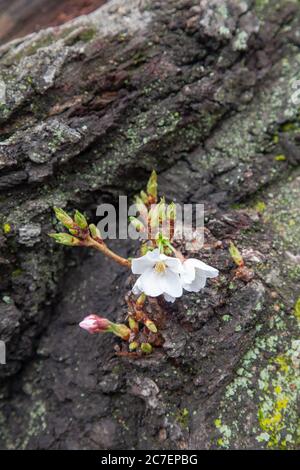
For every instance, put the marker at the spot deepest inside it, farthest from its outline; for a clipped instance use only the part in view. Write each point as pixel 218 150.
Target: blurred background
pixel 21 17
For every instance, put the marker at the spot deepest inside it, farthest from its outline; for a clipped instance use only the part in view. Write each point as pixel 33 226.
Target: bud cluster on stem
pixel 82 234
pixel 163 271
pixel 95 324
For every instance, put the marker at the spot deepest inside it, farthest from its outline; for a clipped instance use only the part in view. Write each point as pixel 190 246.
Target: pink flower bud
pixel 95 324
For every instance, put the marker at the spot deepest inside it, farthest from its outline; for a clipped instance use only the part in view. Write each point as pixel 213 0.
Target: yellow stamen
pixel 160 267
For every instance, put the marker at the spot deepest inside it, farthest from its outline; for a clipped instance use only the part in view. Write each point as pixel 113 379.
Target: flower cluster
pixel 162 270
pixel 168 276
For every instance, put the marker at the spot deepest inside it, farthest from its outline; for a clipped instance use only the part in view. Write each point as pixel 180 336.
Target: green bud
pixel 80 220
pixel 65 239
pixel 120 330
pixel 144 197
pixel 140 206
pixel 152 186
pixel 236 255
pixel 139 202
pixel 133 324
pixel 146 348
pixel 162 210
pixel 171 211
pixel 141 300
pixel 95 232
pixel 144 249
pixel 153 216
pixel 63 217
pixel 133 346
pixel 151 326
pixel 137 224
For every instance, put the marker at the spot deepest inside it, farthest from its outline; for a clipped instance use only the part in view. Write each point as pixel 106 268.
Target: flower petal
pixel 197 264
pixel 188 274
pixel 174 264
pixel 139 265
pixel 154 255
pixel 151 283
pixel 172 284
pixel 169 298
pixel 198 283
pixel 136 289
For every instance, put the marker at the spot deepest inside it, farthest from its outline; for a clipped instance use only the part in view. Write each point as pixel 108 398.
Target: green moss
pixel 289 127
pixel 261 3
pixel 45 39
pixel 183 417
pixel 85 35
pixel 17 273
pixel 226 318
pixel 88 35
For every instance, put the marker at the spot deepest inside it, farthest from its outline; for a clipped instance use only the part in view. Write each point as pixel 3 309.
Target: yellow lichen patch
pixel 260 207
pixel 272 425
pixel 276 417
pixel 297 309
pixel 272 422
pixel 218 423
pixel 280 158
pixel 6 228
pixel 282 403
pixel 282 362
pixel 277 390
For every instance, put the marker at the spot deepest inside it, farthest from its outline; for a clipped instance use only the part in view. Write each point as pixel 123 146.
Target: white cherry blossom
pixel 195 273
pixel 159 275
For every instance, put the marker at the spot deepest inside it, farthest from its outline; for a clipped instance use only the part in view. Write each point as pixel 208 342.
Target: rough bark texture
pixel 201 91
pixel 21 17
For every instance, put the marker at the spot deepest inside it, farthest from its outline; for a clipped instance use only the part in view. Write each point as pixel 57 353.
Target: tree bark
pixel 20 17
pixel 203 91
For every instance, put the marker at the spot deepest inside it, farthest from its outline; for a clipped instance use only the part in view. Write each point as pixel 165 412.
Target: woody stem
pixel 107 252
